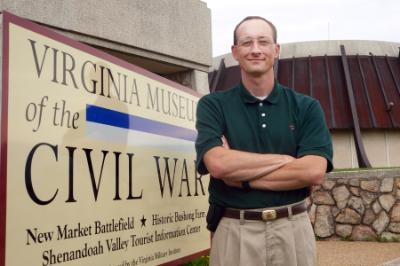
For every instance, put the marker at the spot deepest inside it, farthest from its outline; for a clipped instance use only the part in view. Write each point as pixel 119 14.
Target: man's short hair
pixel 274 31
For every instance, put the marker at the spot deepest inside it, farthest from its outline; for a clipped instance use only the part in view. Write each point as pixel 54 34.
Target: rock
pixel 322 198
pixel 395 216
pixel 394 227
pixel 316 188
pixel 308 202
pixel 328 184
pixel 369 217
pixel 354 182
pixel 386 201
pixel 335 211
pixel 367 197
pixel 390 236
pixel 348 216
pixel 355 191
pixel 381 222
pixel 370 185
pixel 363 233
pixel 324 225
pixel 376 207
pixel 357 204
pixel 387 185
pixel 343 181
pixel 341 195
pixel 343 230
pixel 398 182
pixel 311 213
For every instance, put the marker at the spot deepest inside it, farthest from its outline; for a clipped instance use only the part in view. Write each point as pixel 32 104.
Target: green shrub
pixel 202 261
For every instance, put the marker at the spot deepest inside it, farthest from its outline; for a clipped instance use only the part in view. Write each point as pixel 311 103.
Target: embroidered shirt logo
pixel 292 127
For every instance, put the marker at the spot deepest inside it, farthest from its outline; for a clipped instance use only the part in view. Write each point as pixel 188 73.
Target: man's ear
pixel 277 50
pixel 234 51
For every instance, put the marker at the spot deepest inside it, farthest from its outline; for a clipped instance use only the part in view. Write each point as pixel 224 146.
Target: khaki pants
pixel 284 242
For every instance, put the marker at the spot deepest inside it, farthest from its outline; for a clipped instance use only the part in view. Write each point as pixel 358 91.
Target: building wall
pixel 394 148
pixel 381 146
pixel 320 48
pixel 163 36
pixel 176 28
pixel 344 151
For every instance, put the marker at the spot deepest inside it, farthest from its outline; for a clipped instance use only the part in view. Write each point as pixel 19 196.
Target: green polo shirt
pixel 286 122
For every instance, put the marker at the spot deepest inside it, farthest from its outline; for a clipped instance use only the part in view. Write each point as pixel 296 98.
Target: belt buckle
pixel 268 215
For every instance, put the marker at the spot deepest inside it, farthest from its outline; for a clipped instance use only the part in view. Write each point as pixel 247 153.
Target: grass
pixel 385 240
pixel 346 238
pixel 374 239
pixel 364 169
pixel 202 261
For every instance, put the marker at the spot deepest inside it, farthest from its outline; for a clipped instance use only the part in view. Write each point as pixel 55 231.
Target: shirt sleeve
pixel 210 127
pixel 314 137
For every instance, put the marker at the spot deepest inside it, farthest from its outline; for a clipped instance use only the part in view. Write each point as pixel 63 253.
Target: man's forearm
pixel 236 165
pixel 303 172
pixel 285 185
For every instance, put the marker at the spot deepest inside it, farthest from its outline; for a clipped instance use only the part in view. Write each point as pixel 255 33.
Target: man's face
pixel 255 49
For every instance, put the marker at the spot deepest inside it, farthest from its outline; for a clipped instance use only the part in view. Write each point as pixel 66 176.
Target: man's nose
pixel 255 48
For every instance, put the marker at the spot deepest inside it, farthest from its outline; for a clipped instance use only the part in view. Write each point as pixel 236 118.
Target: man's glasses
pixel 262 42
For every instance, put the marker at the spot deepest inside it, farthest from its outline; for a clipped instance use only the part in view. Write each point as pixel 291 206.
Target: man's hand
pixel 228 182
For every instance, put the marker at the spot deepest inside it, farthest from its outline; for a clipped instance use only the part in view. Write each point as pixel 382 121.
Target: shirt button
pixel 262 114
pixel 263 125
pixel 260 104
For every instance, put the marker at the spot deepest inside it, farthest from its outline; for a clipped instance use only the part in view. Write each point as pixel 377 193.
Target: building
pixel 171 38
pixel 358 86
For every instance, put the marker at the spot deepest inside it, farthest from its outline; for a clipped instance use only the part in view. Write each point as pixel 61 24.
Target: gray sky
pixel 309 20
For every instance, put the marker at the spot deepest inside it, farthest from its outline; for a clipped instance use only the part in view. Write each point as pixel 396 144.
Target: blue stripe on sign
pixel 110 117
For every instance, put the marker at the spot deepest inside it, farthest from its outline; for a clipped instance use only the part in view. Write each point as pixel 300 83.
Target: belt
pixel 266 215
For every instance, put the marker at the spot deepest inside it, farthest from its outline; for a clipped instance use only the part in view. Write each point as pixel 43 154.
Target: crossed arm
pixel 265 171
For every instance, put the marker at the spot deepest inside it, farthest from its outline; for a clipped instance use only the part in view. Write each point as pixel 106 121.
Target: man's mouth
pixel 256 60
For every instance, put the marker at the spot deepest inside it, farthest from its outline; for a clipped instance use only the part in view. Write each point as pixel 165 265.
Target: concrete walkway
pixel 346 253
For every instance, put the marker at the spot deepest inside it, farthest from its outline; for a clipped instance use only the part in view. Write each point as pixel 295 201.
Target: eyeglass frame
pixel 248 42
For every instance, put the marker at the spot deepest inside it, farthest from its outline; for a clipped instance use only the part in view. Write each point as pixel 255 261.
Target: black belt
pixel 266 215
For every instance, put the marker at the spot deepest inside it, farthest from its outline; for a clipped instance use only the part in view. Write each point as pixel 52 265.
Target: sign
pixel 97 158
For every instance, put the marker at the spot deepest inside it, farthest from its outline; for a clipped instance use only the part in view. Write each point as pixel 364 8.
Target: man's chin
pixel 257 72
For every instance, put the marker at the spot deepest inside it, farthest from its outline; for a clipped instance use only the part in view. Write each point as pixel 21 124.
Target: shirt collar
pixel 272 98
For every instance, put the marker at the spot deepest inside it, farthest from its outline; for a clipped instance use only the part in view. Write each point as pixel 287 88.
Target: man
pixel 264 146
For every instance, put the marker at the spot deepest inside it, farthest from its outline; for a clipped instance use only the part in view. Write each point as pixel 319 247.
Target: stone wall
pixel 362 205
